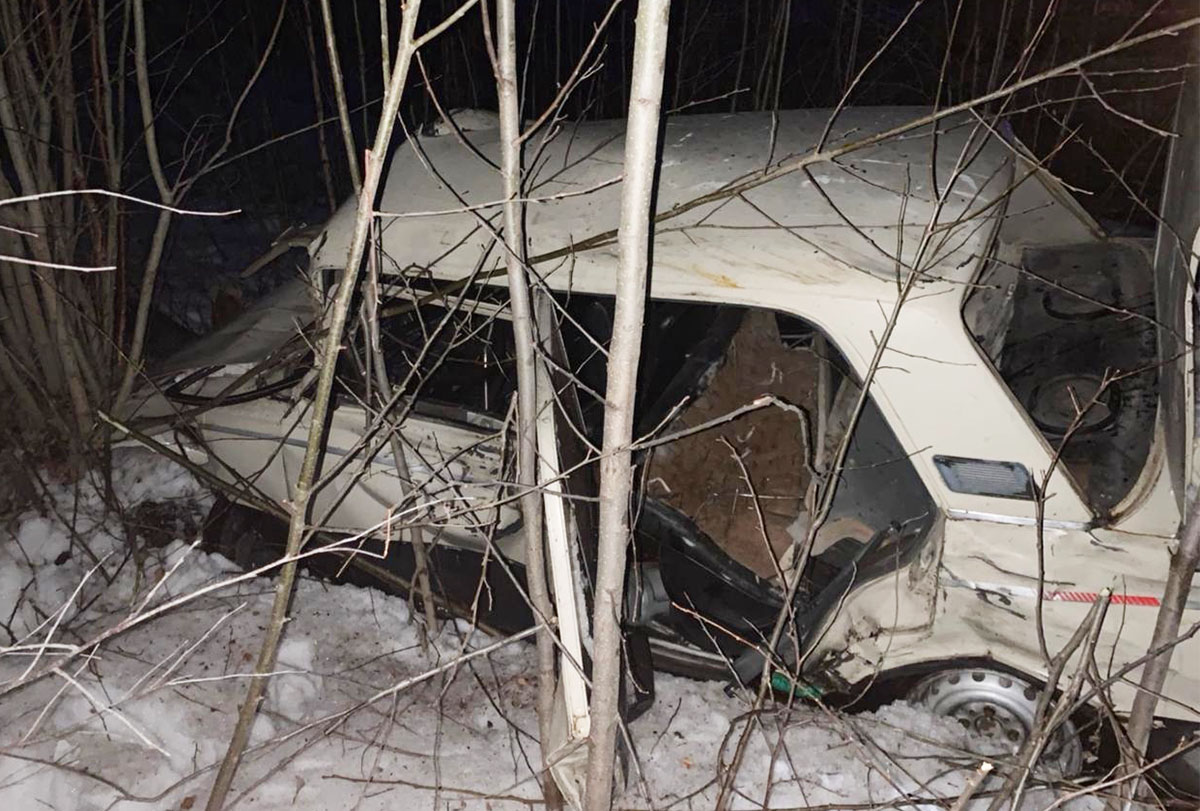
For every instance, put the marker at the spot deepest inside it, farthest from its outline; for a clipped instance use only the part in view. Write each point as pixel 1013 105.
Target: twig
pixel 303 491
pixel 973 783
pixel 8 201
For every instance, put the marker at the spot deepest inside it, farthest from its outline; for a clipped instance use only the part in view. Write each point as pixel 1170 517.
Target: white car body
pixel 831 246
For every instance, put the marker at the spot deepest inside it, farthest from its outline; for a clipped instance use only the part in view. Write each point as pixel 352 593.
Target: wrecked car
pixel 1020 446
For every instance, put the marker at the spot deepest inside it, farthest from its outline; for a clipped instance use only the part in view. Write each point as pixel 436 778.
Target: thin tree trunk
pixel 741 59
pixel 682 27
pixel 616 468
pixel 763 86
pixel 13 323
pixel 339 93
pixel 165 192
pixel 158 241
pixel 387 394
pixel 18 356
pixel 523 333
pixel 47 354
pixel 110 154
pixel 1166 629
pixel 362 67
pixel 852 51
pixel 117 228
pixel 319 104
pixel 320 409
pixel 385 48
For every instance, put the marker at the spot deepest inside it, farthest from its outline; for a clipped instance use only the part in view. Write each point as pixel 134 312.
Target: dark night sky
pixel 208 51
pixel 205 51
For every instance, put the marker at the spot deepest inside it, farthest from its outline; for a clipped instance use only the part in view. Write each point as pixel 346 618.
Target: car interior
pixel 721 509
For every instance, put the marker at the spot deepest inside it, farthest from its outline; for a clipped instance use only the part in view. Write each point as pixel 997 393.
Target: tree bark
pixel 319 104
pixel 166 193
pixel 339 94
pixel 616 469
pixel 320 410
pixel 1166 629
pixel 523 334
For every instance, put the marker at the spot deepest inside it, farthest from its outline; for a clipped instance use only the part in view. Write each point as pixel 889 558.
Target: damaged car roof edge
pixel 808 262
pixel 844 217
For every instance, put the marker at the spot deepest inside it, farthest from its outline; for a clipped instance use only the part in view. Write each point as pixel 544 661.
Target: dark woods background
pixel 75 70
pixel 725 56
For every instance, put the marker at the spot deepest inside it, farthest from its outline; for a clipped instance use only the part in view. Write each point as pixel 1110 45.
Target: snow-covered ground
pixel 142 719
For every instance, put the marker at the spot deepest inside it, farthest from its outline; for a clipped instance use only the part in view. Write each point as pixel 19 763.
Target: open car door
pixel 568 481
pixel 567 474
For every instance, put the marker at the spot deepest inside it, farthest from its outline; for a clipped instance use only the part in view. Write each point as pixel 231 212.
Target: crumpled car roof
pixel 841 223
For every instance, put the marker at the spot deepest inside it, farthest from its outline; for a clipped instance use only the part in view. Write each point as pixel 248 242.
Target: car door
pixel 450 368
pixel 567 476
pixel 459 443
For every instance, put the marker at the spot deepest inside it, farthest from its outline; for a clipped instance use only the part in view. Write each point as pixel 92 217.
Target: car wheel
pixel 999 708
pixel 236 532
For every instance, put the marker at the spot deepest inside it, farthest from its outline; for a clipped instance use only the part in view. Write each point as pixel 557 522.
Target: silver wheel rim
pixel 999 709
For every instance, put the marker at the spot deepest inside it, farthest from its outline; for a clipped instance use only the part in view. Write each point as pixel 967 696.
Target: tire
pixel 1000 709
pixel 239 533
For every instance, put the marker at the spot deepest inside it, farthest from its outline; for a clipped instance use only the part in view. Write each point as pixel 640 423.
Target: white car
pixel 1029 342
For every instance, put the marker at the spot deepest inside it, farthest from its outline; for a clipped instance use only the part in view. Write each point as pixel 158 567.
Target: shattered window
pixel 714 476
pixel 465 359
pixel 450 351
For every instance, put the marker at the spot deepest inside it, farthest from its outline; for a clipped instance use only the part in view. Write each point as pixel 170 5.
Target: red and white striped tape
pixel 1068 596
pixel 1093 596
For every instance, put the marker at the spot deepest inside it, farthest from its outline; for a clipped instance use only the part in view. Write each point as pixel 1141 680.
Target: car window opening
pixel 745 483
pixel 713 531
pixel 700 541
pixel 757 505
pixel 1054 325
pixel 462 357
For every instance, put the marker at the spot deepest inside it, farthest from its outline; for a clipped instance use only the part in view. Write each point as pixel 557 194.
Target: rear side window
pixel 746 482
pixel 1071 331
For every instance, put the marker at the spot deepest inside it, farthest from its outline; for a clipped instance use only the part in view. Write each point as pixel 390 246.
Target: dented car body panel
pixel 955 577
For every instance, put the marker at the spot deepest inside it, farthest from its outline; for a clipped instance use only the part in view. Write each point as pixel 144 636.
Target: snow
pixel 142 720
